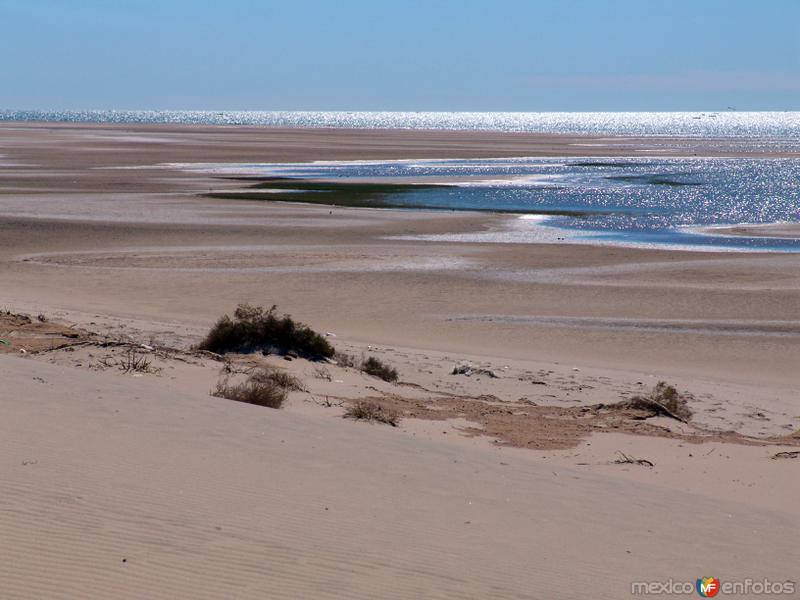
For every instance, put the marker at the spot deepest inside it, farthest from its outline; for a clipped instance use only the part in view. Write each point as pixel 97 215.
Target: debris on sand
pixel 663 400
pixel 469 371
pixel 624 459
pixel 790 454
pixel 23 333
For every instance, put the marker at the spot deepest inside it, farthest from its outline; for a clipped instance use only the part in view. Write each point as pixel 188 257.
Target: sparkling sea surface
pixel 781 126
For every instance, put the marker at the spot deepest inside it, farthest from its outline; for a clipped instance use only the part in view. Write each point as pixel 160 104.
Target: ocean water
pixel 648 201
pixel 779 127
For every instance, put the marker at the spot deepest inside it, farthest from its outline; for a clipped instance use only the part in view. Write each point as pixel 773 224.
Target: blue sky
pixel 413 55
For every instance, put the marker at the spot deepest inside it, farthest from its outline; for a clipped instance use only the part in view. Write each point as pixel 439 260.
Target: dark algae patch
pixel 596 163
pixel 650 179
pixel 356 194
pixel 332 193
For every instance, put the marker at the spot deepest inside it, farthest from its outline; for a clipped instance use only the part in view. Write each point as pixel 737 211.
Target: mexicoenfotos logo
pixel 707 587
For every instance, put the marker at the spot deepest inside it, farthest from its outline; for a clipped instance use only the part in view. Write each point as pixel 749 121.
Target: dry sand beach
pixel 504 483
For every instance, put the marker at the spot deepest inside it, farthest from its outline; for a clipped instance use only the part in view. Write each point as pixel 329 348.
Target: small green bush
pixel 253 329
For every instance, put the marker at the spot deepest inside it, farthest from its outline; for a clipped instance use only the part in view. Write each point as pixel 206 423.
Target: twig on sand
pixel 327 403
pixel 790 454
pixel 624 459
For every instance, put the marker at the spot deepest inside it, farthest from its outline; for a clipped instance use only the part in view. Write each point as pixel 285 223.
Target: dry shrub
pixel 323 373
pixel 253 329
pixel 371 366
pixel 665 400
pixel 377 368
pixel 366 410
pixel 266 394
pixel 279 377
pixel 134 362
pixel 265 386
pixel 344 360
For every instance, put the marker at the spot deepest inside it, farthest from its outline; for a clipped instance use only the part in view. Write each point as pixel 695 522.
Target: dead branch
pixel 624 459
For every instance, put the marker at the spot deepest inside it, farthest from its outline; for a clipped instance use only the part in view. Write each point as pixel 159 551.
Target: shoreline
pixel 423 143
pixel 781 230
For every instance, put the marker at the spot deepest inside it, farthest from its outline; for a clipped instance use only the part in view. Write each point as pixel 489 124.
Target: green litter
pixel 7 343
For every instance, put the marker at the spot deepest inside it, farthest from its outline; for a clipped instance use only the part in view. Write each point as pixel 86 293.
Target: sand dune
pixel 116 487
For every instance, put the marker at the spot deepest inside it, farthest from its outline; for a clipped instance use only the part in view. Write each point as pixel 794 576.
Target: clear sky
pixel 401 55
